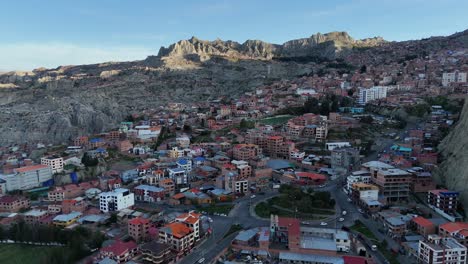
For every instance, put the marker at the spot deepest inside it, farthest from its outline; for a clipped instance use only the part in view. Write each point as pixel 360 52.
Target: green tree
pixel 89 161
pixel 363 69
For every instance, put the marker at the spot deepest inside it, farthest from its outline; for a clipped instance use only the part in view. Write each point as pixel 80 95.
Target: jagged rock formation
pixel 326 45
pixel 453 171
pixel 55 105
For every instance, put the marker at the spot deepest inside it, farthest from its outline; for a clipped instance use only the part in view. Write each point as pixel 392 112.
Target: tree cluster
pixel 78 242
pixel 89 161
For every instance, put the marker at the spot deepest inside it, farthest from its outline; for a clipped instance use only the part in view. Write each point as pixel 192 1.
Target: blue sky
pixel 50 33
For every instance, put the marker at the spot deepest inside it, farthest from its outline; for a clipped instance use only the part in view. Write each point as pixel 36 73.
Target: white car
pixel 341 219
pixel 360 211
pixel 201 260
pixel 344 213
pixel 252 196
pixel 323 223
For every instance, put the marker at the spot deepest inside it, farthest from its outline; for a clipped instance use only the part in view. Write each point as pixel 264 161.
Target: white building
pixel 116 200
pixel 183 141
pixel 55 163
pixel 147 132
pixel 374 93
pixel 453 77
pixel 25 178
pixel 185 164
pixel 361 176
pixel 178 175
pixel 438 250
pixel 334 145
pixel 305 91
pixel 192 220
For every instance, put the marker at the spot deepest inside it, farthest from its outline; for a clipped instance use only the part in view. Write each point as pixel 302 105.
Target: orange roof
pixel 31 168
pixel 422 221
pixel 178 196
pixel 190 218
pixel 69 201
pixel 310 175
pixel 138 221
pixel 177 229
pixel 166 181
pixel 454 227
pixel 275 137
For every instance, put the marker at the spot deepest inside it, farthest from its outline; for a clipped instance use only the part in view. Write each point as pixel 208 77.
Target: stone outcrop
pixel 453 171
pixel 55 105
pixel 324 45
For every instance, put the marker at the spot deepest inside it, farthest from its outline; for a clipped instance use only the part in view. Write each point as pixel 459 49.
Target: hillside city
pixel 331 167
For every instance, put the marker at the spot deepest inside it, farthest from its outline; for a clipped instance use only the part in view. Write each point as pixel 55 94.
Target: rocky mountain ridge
pixel 332 43
pixel 55 105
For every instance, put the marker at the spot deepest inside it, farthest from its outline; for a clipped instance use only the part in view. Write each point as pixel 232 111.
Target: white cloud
pixel 28 56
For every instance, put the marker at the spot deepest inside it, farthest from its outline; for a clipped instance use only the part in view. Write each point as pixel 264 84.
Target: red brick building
pixel 13 203
pixel 422 226
pixel 138 229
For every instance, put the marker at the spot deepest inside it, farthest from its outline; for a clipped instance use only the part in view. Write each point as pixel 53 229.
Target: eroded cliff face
pixel 453 171
pixel 54 106
pixel 328 45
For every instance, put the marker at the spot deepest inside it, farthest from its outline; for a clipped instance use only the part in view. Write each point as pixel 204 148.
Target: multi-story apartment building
pixel 443 200
pixel 74 205
pixel 371 94
pixel 178 235
pixel 175 153
pixel 245 151
pixel 453 77
pixel 233 183
pixel 116 200
pixel 357 176
pixel 10 203
pixel 149 193
pixel 185 164
pixel 138 228
pixel 54 162
pixel 456 230
pixel 69 191
pixel 34 217
pixel 366 196
pixel 28 177
pixel 394 184
pixel 438 250
pixel 192 220
pixel 183 141
pixel 155 177
pixel 179 176
pixel 155 252
pixel 244 170
pixel 345 158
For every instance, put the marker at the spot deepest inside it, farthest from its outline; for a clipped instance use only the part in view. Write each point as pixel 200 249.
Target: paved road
pixel 215 244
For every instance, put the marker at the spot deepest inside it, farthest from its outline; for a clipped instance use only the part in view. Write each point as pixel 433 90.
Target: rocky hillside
pixel 55 105
pixel 453 171
pixel 327 45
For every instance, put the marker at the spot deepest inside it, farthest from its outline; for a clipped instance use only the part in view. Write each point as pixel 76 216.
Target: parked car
pixel 344 213
pixel 374 247
pixel 341 219
pixel 252 196
pixel 323 223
